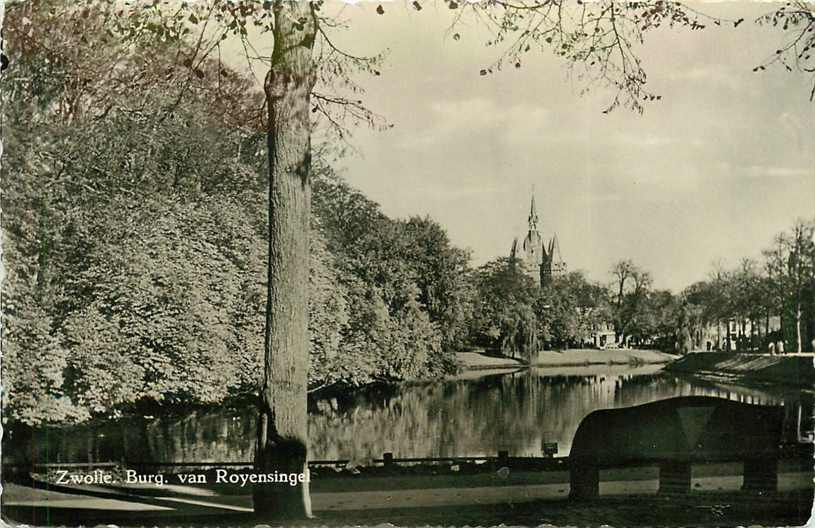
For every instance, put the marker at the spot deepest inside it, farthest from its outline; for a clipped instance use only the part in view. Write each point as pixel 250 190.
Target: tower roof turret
pixel 556 257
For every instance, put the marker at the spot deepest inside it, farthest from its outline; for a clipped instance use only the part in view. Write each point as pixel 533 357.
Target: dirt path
pixel 25 503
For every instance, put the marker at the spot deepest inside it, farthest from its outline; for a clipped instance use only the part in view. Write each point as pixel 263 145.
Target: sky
pixel 710 173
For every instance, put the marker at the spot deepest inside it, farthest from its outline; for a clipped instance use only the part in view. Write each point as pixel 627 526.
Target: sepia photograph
pixel 407 263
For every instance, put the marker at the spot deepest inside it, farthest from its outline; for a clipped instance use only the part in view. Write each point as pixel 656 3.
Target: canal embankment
pixel 575 357
pixel 793 370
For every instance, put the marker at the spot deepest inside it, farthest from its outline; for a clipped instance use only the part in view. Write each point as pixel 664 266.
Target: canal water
pixel 476 414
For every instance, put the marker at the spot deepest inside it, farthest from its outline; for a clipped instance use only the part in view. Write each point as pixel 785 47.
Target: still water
pixel 476 414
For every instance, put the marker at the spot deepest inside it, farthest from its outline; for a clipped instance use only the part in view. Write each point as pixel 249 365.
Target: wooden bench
pixel 674 434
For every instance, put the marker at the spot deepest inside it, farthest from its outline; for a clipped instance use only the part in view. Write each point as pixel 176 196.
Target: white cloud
pixel 781 172
pixel 648 140
pixel 460 119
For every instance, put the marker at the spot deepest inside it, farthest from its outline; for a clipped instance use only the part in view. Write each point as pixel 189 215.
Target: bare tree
pixel 799 270
pixel 797 52
pixel 631 287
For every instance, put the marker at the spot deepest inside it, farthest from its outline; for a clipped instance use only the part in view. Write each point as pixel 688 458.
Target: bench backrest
pixel 694 428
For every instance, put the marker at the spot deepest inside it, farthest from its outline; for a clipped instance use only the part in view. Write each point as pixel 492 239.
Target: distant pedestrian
pixel 771 348
pixel 780 346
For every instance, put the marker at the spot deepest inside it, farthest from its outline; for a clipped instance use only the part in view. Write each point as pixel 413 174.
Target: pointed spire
pixel 533 214
pixel 556 248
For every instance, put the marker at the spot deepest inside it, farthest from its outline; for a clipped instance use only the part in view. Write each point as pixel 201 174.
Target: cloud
pixel 712 75
pixel 647 140
pixel 780 172
pixel 456 120
pixel 598 199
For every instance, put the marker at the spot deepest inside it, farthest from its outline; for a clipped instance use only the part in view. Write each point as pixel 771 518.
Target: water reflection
pixel 474 415
pixel 516 412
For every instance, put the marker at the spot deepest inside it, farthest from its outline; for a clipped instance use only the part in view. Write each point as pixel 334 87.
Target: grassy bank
pixel 576 357
pixel 755 369
pixel 480 360
pixel 588 356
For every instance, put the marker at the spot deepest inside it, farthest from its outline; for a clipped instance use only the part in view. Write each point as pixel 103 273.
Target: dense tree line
pixel 129 230
pixel 780 285
pixel 399 285
pixel 135 238
pixel 516 316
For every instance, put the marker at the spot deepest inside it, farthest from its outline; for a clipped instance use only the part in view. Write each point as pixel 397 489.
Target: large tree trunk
pixel 283 426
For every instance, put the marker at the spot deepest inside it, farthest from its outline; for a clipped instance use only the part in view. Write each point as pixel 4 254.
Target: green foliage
pixel 780 285
pixel 33 365
pixel 163 301
pixel 132 228
pixel 573 309
pixel 328 318
pixel 503 317
pixel 504 293
pixel 403 284
pixel 441 277
pixel 516 317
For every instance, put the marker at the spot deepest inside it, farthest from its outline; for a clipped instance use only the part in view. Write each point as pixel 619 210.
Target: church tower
pixel 542 261
pixel 533 253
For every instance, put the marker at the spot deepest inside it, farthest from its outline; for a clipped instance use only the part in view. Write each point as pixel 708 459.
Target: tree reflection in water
pixel 515 412
pixel 459 417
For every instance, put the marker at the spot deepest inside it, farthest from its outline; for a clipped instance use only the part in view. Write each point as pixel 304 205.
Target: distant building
pixel 738 335
pixel 603 336
pixel 541 259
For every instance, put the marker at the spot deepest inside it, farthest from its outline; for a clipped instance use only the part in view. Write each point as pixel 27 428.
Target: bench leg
pixel 584 480
pixel 674 477
pixel 761 475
